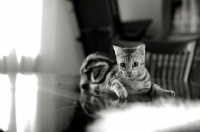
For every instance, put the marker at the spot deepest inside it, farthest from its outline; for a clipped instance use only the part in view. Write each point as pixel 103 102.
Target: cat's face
pixel 131 61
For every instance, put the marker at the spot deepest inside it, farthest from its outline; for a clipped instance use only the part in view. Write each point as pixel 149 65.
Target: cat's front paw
pixel 122 94
pixel 171 93
pixel 120 91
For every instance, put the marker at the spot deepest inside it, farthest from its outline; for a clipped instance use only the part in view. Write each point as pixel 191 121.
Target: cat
pixel 128 76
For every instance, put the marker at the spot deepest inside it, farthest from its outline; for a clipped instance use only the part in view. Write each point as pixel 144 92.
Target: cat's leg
pixel 158 91
pixel 118 88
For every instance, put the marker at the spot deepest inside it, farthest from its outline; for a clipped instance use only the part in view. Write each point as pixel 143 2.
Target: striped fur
pixel 128 76
pixel 94 69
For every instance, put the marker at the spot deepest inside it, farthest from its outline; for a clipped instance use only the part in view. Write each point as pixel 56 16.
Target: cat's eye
pixel 122 64
pixel 135 64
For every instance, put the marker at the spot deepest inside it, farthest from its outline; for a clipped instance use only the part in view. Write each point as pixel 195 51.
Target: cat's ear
pixel 118 50
pixel 141 49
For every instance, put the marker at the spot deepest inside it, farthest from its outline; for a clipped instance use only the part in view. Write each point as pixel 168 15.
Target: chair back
pixel 167 59
pixel 170 60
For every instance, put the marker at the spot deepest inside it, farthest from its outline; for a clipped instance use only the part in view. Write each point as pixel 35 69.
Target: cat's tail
pixel 94 69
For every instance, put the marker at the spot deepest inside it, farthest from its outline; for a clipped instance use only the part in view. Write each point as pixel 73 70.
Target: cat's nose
pixel 129 73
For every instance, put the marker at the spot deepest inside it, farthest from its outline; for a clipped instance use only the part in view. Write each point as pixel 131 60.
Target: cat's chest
pixel 134 86
pixel 131 84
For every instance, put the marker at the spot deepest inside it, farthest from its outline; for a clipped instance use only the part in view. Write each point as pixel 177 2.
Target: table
pixel 50 103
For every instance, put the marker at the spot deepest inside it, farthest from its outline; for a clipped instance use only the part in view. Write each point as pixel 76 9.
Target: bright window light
pixel 5 102
pixel 20 27
pixel 26 102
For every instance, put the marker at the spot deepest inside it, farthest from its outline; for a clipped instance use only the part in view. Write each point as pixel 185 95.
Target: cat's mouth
pixel 132 76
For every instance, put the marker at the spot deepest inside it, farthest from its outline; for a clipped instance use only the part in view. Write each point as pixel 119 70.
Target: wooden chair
pixel 166 59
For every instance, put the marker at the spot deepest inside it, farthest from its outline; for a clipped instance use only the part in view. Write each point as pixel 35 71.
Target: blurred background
pixel 54 36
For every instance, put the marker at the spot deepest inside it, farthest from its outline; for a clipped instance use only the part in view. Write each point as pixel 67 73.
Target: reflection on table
pixel 177 113
pixel 144 112
pixel 37 102
pixel 53 103
pixel 94 101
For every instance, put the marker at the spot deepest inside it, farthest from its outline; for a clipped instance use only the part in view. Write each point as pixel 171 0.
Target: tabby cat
pixel 128 76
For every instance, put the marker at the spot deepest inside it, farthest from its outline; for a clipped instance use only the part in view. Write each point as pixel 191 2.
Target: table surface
pixel 50 103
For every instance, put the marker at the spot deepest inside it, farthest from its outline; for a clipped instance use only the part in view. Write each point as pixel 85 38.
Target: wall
pixel 131 10
pixel 46 58
pixel 60 53
pixel 69 54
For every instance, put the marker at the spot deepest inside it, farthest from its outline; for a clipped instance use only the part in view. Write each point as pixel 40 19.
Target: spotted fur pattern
pixel 128 76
